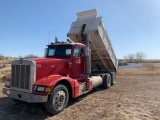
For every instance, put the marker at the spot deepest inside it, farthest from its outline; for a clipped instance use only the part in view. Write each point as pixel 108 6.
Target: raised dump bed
pixel 102 53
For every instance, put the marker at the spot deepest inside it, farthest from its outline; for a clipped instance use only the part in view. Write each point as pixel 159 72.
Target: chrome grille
pixel 20 76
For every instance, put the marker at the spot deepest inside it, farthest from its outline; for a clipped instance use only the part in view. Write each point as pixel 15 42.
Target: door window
pixel 78 52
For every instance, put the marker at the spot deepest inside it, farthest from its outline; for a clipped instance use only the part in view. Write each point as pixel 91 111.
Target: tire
pixel 113 78
pixel 106 81
pixel 58 100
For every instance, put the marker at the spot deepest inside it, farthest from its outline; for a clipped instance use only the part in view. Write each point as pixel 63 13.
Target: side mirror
pixel 87 52
pixel 45 52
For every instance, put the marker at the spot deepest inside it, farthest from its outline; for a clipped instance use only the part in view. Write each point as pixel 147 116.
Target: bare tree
pixel 140 56
pixel 129 58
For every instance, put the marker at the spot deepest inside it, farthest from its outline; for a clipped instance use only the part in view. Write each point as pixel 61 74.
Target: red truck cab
pixel 63 62
pixel 35 80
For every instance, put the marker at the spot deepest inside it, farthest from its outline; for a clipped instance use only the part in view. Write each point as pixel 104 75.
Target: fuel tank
pixel 96 81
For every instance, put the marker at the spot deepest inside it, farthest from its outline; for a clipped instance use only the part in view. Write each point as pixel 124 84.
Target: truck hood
pixel 50 66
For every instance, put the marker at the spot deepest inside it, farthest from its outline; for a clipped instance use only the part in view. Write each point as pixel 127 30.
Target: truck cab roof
pixel 66 43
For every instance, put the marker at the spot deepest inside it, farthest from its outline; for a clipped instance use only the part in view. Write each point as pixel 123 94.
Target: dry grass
pixel 5 68
pixel 147 69
pixel 7 61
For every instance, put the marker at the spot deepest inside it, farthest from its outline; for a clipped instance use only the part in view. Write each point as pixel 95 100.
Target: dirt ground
pixel 132 98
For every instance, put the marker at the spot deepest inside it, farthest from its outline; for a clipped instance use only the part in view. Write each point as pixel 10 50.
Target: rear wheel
pixel 106 81
pixel 58 100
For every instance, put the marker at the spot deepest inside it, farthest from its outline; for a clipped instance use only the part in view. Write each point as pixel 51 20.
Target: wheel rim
pixel 59 99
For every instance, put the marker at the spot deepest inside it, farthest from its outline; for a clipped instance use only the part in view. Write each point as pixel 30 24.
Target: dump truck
pixel 69 69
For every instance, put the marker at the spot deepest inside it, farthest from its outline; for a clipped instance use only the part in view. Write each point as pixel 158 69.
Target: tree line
pixel 29 56
pixel 2 57
pixel 137 57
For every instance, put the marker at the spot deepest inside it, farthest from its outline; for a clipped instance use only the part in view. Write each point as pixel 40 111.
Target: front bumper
pixel 23 96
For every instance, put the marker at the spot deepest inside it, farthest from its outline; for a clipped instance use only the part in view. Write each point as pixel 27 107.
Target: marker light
pixel 48 89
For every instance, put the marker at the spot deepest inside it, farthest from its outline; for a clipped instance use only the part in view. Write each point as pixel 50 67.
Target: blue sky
pixel 133 25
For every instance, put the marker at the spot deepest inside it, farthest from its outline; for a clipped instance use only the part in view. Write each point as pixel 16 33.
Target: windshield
pixel 59 51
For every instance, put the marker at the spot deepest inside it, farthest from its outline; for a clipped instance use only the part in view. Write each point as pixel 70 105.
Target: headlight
pixel 40 89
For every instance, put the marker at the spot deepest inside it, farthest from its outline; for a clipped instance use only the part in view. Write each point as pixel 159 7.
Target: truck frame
pixel 69 69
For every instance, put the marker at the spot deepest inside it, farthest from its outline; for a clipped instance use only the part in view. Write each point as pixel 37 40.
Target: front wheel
pixel 58 100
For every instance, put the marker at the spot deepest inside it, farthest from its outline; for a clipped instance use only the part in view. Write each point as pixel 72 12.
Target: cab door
pixel 78 69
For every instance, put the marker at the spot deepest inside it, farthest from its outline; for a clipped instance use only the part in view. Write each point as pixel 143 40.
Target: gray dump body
pixel 102 53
